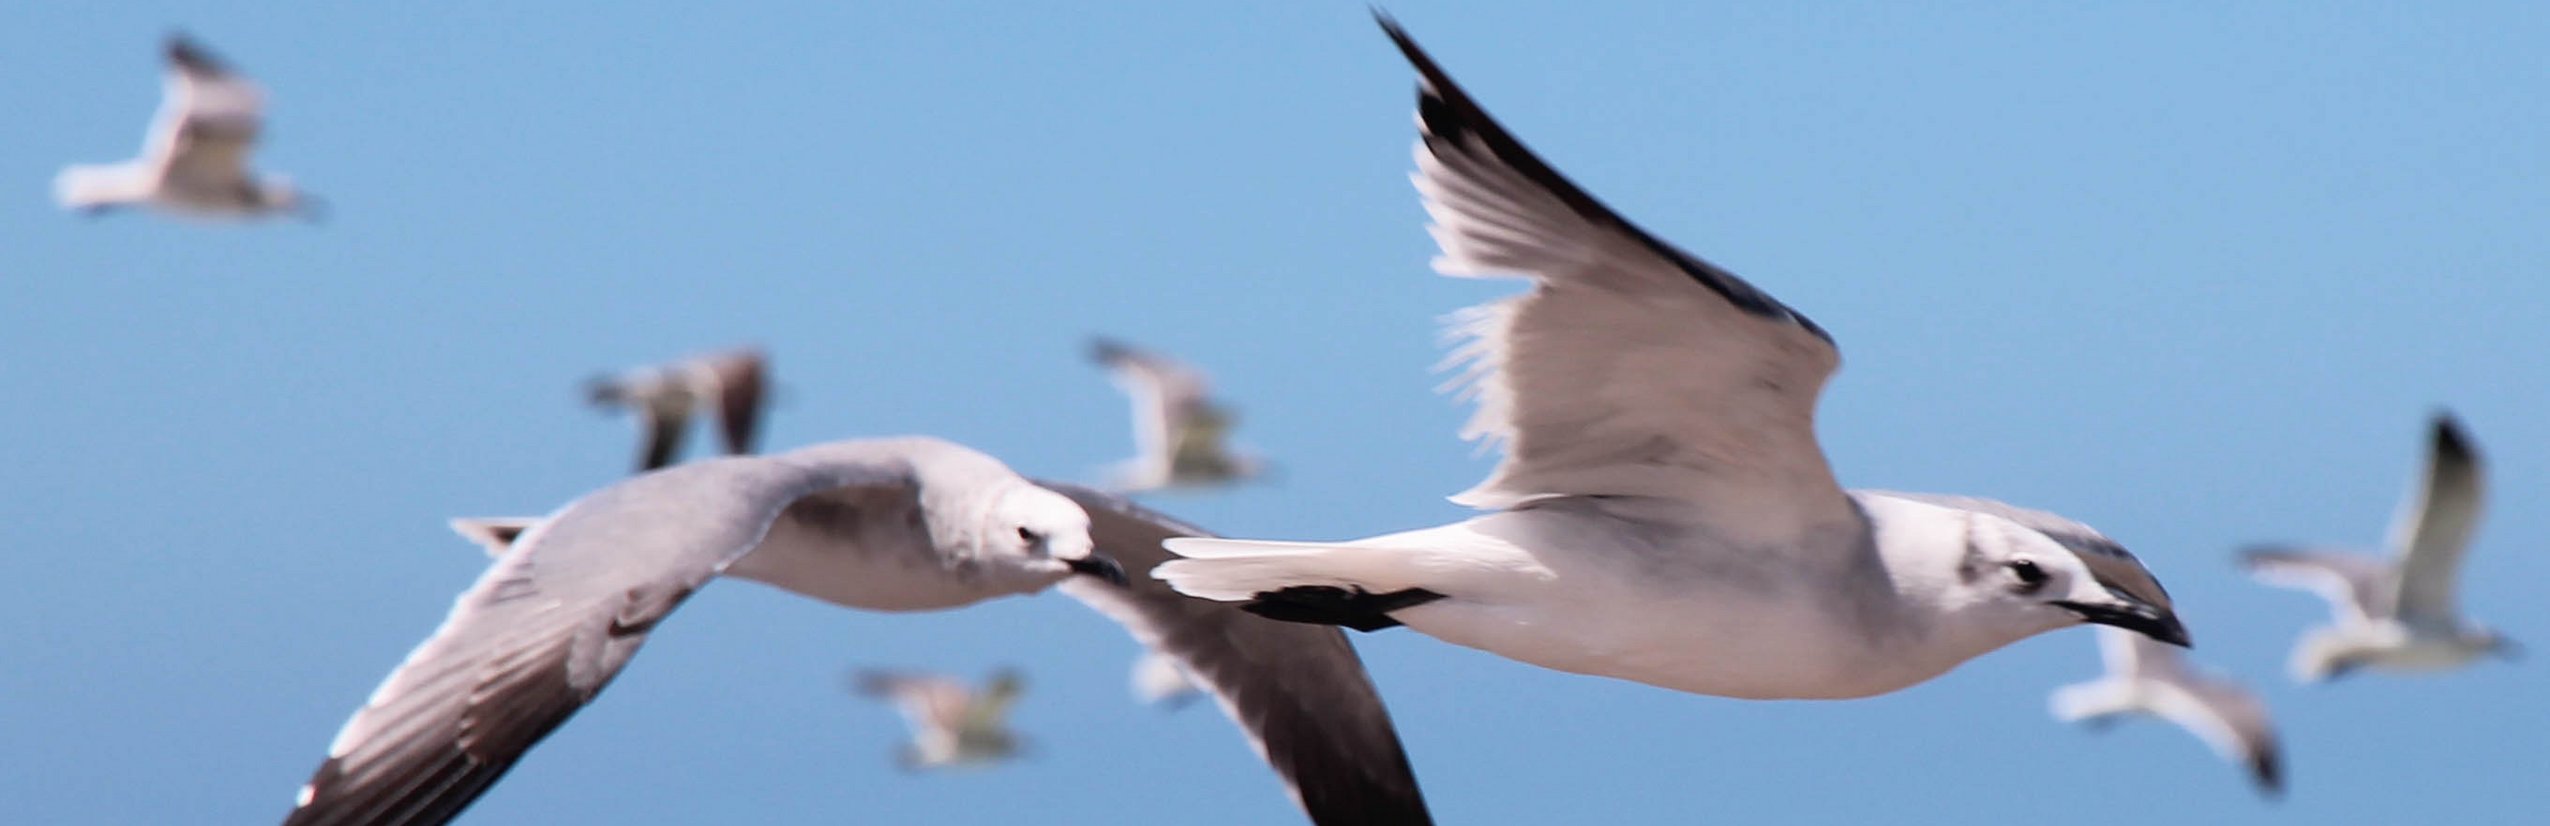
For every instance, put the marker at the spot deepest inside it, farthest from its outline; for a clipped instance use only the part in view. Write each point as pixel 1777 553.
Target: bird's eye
pixel 2030 576
pixel 1030 536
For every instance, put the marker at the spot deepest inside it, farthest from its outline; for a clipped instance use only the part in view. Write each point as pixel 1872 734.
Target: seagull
pixel 901 524
pixel 953 726
pixel 2146 677
pixel 1663 513
pixel 2398 615
pixel 1159 680
pixel 730 382
pixel 195 159
pixel 1178 427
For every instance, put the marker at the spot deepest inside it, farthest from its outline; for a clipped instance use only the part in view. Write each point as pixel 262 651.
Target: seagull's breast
pixel 1672 608
pixel 875 560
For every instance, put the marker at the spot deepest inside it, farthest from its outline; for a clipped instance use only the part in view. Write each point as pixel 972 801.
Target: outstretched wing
pixel 1298 690
pixel 741 380
pixel 539 636
pixel 1631 368
pixel 2227 717
pixel 208 120
pixel 2358 589
pixel 2433 529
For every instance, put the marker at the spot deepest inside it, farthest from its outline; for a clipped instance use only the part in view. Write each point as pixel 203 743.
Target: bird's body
pixel 1663 513
pixel 953 725
pixel 2400 615
pixel 881 524
pixel 194 160
pixel 733 385
pixel 2146 678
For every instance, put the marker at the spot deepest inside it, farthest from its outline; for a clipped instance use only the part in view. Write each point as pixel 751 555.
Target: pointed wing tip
pixel 2266 769
pixel 2452 438
pixel 1106 350
pixel 187 53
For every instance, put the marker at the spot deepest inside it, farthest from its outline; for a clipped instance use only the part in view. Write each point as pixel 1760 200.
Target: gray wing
pixel 2107 560
pixel 661 403
pixel 2433 529
pixel 208 120
pixel 928 702
pixel 2358 589
pixel 539 636
pixel 1298 690
pixel 1632 367
pixel 2227 717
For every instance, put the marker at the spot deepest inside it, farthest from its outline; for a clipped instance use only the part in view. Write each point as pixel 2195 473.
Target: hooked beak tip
pixel 1101 566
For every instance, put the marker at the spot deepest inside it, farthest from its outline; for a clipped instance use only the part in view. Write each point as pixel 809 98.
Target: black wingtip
pixel 1104 350
pixel 186 53
pixel 2452 441
pixel 2267 770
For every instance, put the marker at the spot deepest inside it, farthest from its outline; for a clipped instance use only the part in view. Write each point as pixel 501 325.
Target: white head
pixel 2001 581
pixel 1044 531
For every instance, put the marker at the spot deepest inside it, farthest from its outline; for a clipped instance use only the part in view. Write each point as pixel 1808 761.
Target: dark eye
pixel 2030 576
pixel 1030 536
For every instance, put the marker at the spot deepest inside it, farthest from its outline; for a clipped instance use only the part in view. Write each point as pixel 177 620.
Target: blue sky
pixel 2193 274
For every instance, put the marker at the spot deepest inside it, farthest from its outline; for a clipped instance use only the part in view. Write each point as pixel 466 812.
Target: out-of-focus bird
pixel 664 396
pixel 953 726
pixel 194 160
pixel 2147 677
pixel 1159 680
pixel 1180 432
pixel 2399 615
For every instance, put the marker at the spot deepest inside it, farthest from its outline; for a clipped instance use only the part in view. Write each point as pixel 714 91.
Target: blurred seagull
pixel 195 158
pixel 1178 427
pixel 953 726
pixel 903 524
pixel 2146 677
pixel 664 396
pixel 1160 681
pixel 1663 513
pixel 2397 615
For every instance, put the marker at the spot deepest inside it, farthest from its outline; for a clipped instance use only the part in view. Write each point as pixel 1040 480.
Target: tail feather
pixel 1234 570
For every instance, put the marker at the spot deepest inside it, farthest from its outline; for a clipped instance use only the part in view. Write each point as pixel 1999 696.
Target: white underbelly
pixel 1723 649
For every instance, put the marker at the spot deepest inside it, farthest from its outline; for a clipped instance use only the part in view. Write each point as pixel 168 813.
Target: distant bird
pixel 900 524
pixel 953 726
pixel 732 383
pixel 1159 680
pixel 195 159
pixel 2398 615
pixel 1179 430
pixel 1663 513
pixel 2146 677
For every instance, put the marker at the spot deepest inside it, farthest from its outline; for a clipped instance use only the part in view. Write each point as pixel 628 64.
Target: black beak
pixel 2136 616
pixel 1099 565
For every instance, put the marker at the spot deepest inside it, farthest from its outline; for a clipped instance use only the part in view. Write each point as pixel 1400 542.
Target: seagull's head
pixel 1048 532
pixel 2020 577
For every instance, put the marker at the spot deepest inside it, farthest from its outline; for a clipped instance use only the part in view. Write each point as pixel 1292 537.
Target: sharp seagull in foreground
pixel 732 383
pixel 953 726
pixel 1663 513
pixel 195 158
pixel 2146 677
pixel 902 524
pixel 2398 615
pixel 1178 427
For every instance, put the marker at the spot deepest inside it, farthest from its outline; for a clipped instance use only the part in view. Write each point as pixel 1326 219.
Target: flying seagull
pixel 2398 615
pixel 2146 677
pixel 1663 513
pixel 887 524
pixel 1177 426
pixel 195 159
pixel 732 383
pixel 953 726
